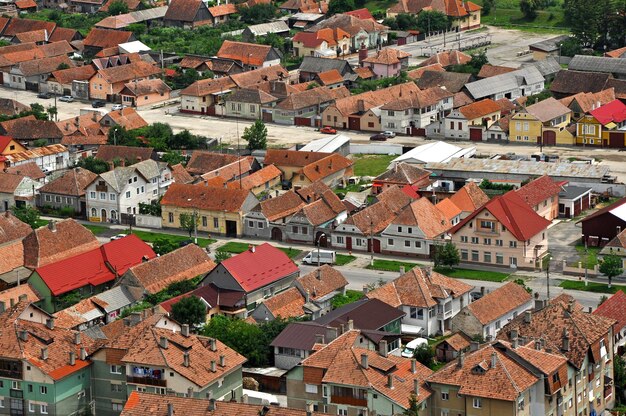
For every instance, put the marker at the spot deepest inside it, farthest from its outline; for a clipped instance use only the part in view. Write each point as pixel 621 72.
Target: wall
pixel 148 221
pixel 375 148
pixel 524 127
pixel 370 122
pixel 58 201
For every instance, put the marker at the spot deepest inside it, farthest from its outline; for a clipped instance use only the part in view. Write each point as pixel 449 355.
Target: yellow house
pixel 9 146
pixel 262 180
pixel 215 210
pixel 544 122
pixel 603 126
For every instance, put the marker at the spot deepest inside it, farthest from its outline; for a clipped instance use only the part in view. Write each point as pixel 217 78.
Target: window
pixel 48 198
pixel 474 240
pixel 499 243
pixel 399 229
pixel 476 403
pixel 102 195
pixel 116 388
pixel 513 244
pixel 520 403
pixel 43 389
pixel 487 241
pixel 463 239
pixel 92 195
pixel 417 313
pixel 137 191
pixel 250 223
pixel 127 194
pixel 57 199
pixel 252 108
pixel 310 388
pixel 464 254
pixel 216 223
pixel 487 256
pixel 431 312
pixel 305 230
pixel 31 407
pixel 497 324
pixel 490 225
pixel 116 369
pixel 418 244
pixel 342 412
pixel 294 229
pixel 390 113
pixel 30 388
pixel 445 395
pixel 474 255
pixel 43 409
pixel 339 239
pixel 525 126
pixel 117 407
pixel 142 190
pixel 407 243
pixel 499 258
pixel 261 225
pixel 170 217
pixel 16 385
pixel 112 197
pixel 135 179
pixel 409 230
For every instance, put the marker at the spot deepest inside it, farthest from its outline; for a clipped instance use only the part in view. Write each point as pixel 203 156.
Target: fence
pixel 147 221
pixel 376 149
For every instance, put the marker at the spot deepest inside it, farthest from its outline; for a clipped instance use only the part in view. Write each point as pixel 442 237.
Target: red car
pixel 328 130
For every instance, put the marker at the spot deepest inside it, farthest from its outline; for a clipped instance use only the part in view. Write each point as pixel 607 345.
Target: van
pixel 409 349
pixel 325 257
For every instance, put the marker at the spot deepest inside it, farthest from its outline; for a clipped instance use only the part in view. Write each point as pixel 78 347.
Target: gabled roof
pixel 9 182
pixel 45 65
pixel 281 206
pixel 616 53
pixel 132 4
pixel 614 308
pixel 223 10
pixel 548 109
pixel 252 96
pixel 539 190
pixel 314 96
pixel 258 178
pixel 322 282
pixel 601 64
pixel 127 117
pixel 11 228
pixel 448 209
pixel 488 70
pixel 417 73
pixel 180 174
pixel 17 25
pixel 514 215
pixel 294 158
pixel 588 101
pixel 367 314
pixel 387 56
pixel 613 209
pixel 129 72
pixel 572 82
pixel 204 198
pixel 422 214
pixel 447 58
pixel 480 108
pixel 259 267
pixel 145 87
pixel 360 13
pixel 248 53
pixel 618 241
pixel 134 154
pixel 202 162
pixel 470 197
pixel 419 287
pixel 72 182
pixel 499 302
pixel 286 304
pixel 418 99
pixel 94 267
pixel 504 82
pixel 351 24
pixel 184 10
pixel 325 167
pixel 452 81
pixel 613 112
pixel 260 75
pixel 79 73
pixel 105 38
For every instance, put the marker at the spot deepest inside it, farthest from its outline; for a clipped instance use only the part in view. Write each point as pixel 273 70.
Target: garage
pixel 476 134
pixel 616 140
pixel 549 138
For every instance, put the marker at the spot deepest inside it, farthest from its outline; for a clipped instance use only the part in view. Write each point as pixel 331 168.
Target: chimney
pixel 618 229
pixel 184 330
pixel 77 338
pixel 186 359
pixel 24 335
pixel 474 346
pixel 251 248
pixel 460 359
pixel 309 409
pixel 482 290
pixel 416 387
pixel 213 367
pixel 72 358
pixel 514 338
pixel 350 325
pixel 213 344
pixel 319 274
pixel 362 54
pixel 413 366
pixel 222 360
pixel 22 298
pixel 493 359
pixel 211 405
pixel 50 323
pixel 2 306
pixel 364 362
pixel 382 348
pixel 163 343
pixel 83 354
pixel 528 316
pixel 390 381
pixel 306 297
pixel 170 409
pixel 365 289
pixel 565 340
pixel 52 226
pixel 190 392
pixel 244 399
pixel 12 302
pixel 44 353
pixel 538 345
pixel 360 105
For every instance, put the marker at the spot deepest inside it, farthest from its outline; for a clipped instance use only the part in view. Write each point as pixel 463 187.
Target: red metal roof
pixel 259 266
pixel 615 112
pixel 4 142
pixel 614 308
pixel 96 266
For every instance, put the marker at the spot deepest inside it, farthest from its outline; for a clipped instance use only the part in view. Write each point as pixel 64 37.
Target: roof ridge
pixel 506 371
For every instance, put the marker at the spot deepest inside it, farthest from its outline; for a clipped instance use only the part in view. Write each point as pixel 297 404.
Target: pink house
pixel 387 62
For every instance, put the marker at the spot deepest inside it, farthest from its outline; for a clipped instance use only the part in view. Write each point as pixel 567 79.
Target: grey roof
pixel 504 82
pixel 95 332
pixel 117 298
pixel 548 66
pixel 317 65
pixel 252 96
pixel 265 28
pixel 371 314
pixel 573 192
pixel 307 17
pixel 119 176
pixel 299 335
pixel 598 64
pixel 327 144
pixel 149 14
pixel 452 81
pixel 549 45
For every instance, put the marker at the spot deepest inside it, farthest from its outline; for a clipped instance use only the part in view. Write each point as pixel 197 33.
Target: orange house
pixel 107 83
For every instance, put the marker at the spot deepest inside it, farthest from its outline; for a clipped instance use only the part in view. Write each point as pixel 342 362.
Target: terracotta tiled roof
pixel 616 53
pixel 79 73
pixel 460 99
pixel 38 35
pixel 252 96
pixel 480 108
pixel 9 182
pixel 105 38
pixel 614 308
pixel 26 128
pixel 539 190
pixel 205 198
pixel 448 209
pixel 134 154
pixel 73 182
pixel 11 228
pixel 63 33
pixel 248 53
pixel 25 4
pixel 287 304
pixel 488 70
pixel 350 24
pixel 572 82
pixel 132 5
pixel 316 38
pixel 281 206
pixel 321 282
pixel 618 241
pixel 418 99
pixel 180 174
pixel 30 170
pixel 588 101
pixel 15 293
pixel 229 172
pixel 260 75
pixel 129 72
pixel 469 198
pixel 44 65
pixel 373 219
pixel 477 377
pixel 394 198
pixel 324 210
pixel 183 10
pixel 387 56
pixel 360 13
pixel 145 87
pixel 548 109
pixel 184 263
pixel 11 107
pixel 327 166
pixel 417 73
pixel 364 73
pixel 223 9
pixel 202 162
pixel 422 214
pixel 127 117
pixel 403 173
pixel 499 302
pixel 458 341
pixel 330 77
pixel 306 6
pixel 419 287
pixel 312 97
pixel 292 158
pixel 17 25
pixel 258 178
pixel 447 58
pixel 370 99
pixel 208 86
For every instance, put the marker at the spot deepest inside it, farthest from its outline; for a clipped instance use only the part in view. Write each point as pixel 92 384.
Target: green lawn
pixel 236 248
pixel 371 165
pixel 591 286
pixel 507 14
pixel 343 259
pixel 96 229
pixel 150 237
pixel 41 223
pixel 473 274
pixel 290 252
pixel 591 259
pixel 391 265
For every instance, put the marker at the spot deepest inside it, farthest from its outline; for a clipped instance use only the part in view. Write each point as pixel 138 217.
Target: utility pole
pixel 371 241
pixel 585 263
pixel 195 227
pixel 548 275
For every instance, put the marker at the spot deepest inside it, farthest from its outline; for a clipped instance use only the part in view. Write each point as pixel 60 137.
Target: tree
pixel 340 6
pixel 52 112
pixel 173 157
pixel 259 13
pixel 190 310
pixel 120 136
pixel 619 375
pixel 425 355
pixel 487 6
pixel 93 164
pixel 163 245
pixel 63 65
pixel 26 214
pixel 522 283
pixel 603 299
pixel 446 255
pixel 185 140
pixel 256 135
pixel 189 222
pixel 220 256
pixel 414 406
pixel 611 266
pixel 118 7
pixel 529 8
pixel 432 21
pixel 38 111
pixel 403 21
pixel 40 143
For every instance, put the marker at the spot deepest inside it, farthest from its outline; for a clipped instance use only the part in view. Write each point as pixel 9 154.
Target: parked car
pixel 409 349
pixel 328 130
pixel 44 95
pixel 285 185
pixel 185 243
pixel 475 296
pixel 117 107
pixel 380 137
pixel 97 103
pixel 389 134
pixel 66 98
pixel 320 256
pixel 118 236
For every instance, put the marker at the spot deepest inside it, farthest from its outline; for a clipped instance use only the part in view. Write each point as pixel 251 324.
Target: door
pixel 549 138
pixel 83 208
pixel 103 215
pixel 321 239
pixel 231 228
pixel 616 140
pixel 277 235
pixel 348 243
pixel 267 116
pixel 354 123
pixel 6 205
pixel 376 246
pixel 476 134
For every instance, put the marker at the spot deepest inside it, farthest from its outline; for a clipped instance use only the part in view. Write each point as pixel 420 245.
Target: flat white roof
pixel 133 47
pixel 328 144
pixel 435 152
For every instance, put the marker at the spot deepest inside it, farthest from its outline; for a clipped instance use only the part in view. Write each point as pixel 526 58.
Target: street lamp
pixel 549 258
pixel 195 225
pixel 371 240
pixel 318 247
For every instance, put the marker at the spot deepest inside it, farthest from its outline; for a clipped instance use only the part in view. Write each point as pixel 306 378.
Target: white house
pixel 123 188
pixel 511 85
pixel 48 158
pixel 17 190
pixel 428 298
pixel 416 110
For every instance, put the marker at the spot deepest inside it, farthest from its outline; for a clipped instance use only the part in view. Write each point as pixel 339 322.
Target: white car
pixel 389 134
pixel 118 236
pixel 66 98
pixel 117 107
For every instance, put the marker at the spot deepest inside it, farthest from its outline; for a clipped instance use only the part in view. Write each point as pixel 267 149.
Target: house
pixel 27 130
pixel 573 200
pixel 507 231
pixel 9 107
pixel 600 227
pixel 331 79
pixel 285 305
pixel 303 21
pixel 413 112
pixel 453 82
pixel 260 182
pixel 145 92
pixel 616 53
pixel 376 381
pixel 468 199
pixel 486 316
pixel 446 59
pixel 16 191
pixel 230 172
pixel 583 102
pixel 203 96
pixel 298 167
pixel 614 308
pixel 549 47
pixel 548 67
pixel 469 121
pixel 586 340
pixel 127 117
pixel 365 32
pixel 401 174
pixel 152 276
pixel 187 14
pixel 71 81
pixel 222 13
pixel 119 191
pixel 542 195
pixel 99 39
pixel 488 70
pixel 180 174
pixel 108 83
pixel 607 65
pixel 32 74
pixel 202 162
pixel 338 143
pixel 544 122
pixel 132 5
pixel 251 55
pixel 309 103
pixel 416 74
pixel 96 310
pixel 388 62
pixel 130 154
pixel 568 82
pixel 461 14
pixel 12 232
pixel 249 103
pixel 297 341
pixel 257 274
pixel 305 6
pixel 322 43
pixel 523 82
pixel 451 347
pixel 52 360
pixel 312 66
pixel 87 273
pixel 150 17
pixel 429 300
pixel 67 191
pixel 603 126
pixel 219 210
pixel 155 353
pixel 279 28
pixel 503 377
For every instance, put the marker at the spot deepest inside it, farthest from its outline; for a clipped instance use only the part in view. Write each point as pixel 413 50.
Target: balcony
pixel 348 400
pixel 444 315
pixel 149 381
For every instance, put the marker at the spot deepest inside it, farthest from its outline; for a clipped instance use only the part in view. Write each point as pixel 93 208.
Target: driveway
pixel 563 238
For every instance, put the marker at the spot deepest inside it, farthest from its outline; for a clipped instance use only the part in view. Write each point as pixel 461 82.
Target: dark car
pixel 98 103
pixel 476 295
pixel 286 185
pixel 185 243
pixel 43 95
pixel 380 137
